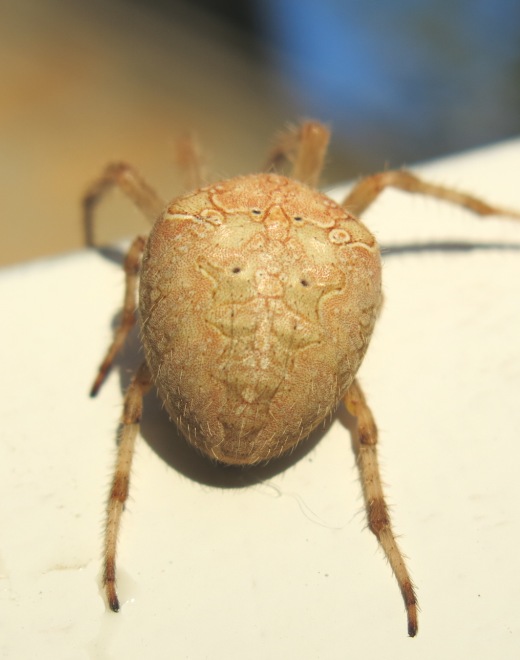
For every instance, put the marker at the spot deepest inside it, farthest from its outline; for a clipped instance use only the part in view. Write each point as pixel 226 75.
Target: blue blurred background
pixel 403 80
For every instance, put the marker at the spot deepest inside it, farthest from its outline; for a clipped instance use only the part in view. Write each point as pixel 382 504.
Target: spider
pixel 257 300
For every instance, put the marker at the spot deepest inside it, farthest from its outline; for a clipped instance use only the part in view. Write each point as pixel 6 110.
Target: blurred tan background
pixel 85 83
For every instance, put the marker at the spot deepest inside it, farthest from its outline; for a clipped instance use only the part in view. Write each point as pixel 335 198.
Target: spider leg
pixel 190 160
pixel 131 183
pixel 132 411
pixel 366 191
pixel 305 147
pixel 131 265
pixel 376 507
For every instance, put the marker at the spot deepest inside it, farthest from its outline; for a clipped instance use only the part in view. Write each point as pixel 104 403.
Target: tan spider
pixel 257 300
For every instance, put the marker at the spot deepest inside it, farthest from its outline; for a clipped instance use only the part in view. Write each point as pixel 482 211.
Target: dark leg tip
pixel 113 601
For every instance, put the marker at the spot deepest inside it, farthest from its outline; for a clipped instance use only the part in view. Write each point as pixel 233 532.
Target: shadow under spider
pixel 445 246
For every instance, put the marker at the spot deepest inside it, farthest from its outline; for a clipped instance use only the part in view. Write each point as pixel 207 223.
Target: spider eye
pixel 304 282
pixel 236 269
pixel 297 218
pixel 256 211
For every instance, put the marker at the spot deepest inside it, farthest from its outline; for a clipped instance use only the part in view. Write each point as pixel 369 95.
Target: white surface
pixel 284 568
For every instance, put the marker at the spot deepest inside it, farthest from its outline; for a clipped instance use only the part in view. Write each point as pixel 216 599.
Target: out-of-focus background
pixel 86 83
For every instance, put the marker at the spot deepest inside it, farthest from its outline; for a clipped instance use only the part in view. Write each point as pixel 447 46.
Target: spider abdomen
pixel 258 299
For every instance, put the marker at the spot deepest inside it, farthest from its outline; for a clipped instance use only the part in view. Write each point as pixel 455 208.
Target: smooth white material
pixel 283 567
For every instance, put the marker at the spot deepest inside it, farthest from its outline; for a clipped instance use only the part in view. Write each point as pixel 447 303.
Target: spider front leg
pixel 366 191
pixel 125 177
pixel 376 507
pixel 304 146
pixel 132 261
pixel 132 411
